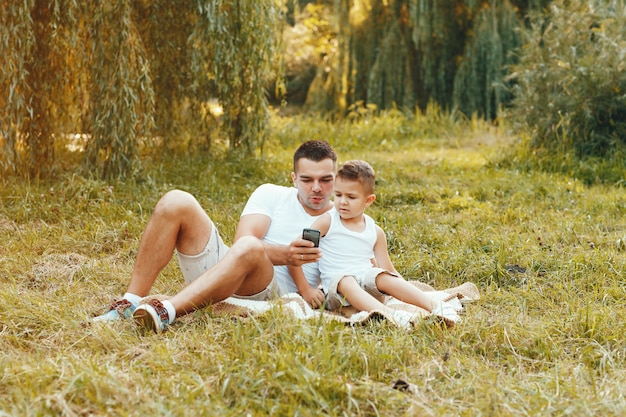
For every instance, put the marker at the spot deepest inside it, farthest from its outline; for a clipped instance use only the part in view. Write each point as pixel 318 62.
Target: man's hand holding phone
pixel 312 235
pixel 302 252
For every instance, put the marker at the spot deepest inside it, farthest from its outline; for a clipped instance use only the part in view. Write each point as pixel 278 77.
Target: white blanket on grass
pixel 295 304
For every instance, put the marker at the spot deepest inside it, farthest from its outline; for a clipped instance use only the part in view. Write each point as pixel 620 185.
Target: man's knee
pixel 175 203
pixel 248 249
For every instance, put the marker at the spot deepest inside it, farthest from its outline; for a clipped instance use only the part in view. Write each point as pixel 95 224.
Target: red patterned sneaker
pixel 152 315
pixel 121 309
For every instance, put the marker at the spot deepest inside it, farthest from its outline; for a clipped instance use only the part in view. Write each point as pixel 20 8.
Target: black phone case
pixel 312 235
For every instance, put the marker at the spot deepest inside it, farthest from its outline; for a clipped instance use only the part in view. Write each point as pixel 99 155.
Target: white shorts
pixel 192 266
pixel 334 300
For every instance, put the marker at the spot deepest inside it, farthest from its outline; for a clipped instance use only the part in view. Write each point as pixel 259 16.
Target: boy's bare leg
pixel 357 296
pixel 244 270
pixel 362 300
pixel 405 291
pixel 178 221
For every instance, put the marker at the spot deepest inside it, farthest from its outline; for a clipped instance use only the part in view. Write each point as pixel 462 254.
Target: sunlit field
pixel 546 251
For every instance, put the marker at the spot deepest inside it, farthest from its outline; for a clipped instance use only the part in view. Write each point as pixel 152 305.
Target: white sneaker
pixel 448 311
pixel 402 318
pixel 456 304
pixel 439 296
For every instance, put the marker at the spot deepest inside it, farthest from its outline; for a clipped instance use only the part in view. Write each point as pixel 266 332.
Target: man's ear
pixel 293 178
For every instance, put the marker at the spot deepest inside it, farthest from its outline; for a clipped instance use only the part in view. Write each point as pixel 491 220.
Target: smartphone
pixel 312 235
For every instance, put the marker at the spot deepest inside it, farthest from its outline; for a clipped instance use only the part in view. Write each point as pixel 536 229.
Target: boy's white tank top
pixel 344 251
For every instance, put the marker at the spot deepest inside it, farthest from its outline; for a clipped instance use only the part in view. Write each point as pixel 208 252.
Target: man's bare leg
pixel 178 222
pixel 245 270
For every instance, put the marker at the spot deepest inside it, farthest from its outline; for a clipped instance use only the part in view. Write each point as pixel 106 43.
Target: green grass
pixel 545 339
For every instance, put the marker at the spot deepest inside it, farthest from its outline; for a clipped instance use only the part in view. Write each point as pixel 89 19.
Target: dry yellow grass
pixel 546 338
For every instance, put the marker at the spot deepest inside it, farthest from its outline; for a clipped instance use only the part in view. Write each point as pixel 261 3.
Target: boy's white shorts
pixel 334 300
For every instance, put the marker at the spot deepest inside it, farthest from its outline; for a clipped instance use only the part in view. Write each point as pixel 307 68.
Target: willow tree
pixel 121 94
pixel 121 73
pixel 61 62
pixel 17 43
pixel 35 105
pixel 394 53
pixel 407 53
pixel 479 86
pixel 439 31
pixel 236 46
pixel 165 27
pixel 389 80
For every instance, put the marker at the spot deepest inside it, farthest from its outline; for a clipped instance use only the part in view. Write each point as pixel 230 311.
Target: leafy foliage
pixel 407 53
pixel 570 83
pixel 479 85
pixel 237 44
pixel 123 75
pixel 181 94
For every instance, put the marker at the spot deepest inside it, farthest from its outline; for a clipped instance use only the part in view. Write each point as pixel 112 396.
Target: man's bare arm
pixel 297 253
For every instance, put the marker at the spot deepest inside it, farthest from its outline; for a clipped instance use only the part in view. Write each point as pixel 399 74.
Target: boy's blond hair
pixel 360 171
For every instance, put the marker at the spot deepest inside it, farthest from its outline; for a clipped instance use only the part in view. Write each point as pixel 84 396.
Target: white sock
pixel 171 311
pixel 133 298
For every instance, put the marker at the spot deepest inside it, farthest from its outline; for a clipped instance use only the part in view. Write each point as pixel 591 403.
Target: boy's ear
pixel 370 199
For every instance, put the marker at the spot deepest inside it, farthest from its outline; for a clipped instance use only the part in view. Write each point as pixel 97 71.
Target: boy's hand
pixel 313 296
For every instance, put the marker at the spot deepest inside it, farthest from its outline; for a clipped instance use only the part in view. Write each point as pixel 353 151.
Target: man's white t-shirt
pixel 287 219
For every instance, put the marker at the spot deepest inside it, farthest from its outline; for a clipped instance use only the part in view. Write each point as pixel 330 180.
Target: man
pixel 254 267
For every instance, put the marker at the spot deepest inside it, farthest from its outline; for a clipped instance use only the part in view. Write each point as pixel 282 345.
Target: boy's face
pixel 351 198
pixel 314 181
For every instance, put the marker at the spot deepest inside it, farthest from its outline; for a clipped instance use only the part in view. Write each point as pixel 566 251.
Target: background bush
pixel 570 92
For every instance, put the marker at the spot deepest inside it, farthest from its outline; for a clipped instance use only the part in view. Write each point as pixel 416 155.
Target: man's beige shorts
pixel 334 300
pixel 192 266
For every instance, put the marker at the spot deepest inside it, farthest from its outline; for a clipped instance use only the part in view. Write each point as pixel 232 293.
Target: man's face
pixel 314 181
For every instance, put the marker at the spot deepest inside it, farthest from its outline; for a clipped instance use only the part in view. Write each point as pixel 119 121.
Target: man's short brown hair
pixel 314 150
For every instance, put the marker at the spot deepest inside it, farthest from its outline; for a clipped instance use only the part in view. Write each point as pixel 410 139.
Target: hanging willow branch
pixel 122 98
pixel 165 27
pixel 235 42
pixel 479 87
pixel 439 32
pixel 18 40
pixel 40 67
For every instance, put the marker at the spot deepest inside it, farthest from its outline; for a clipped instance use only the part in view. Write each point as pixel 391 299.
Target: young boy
pixel 355 266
